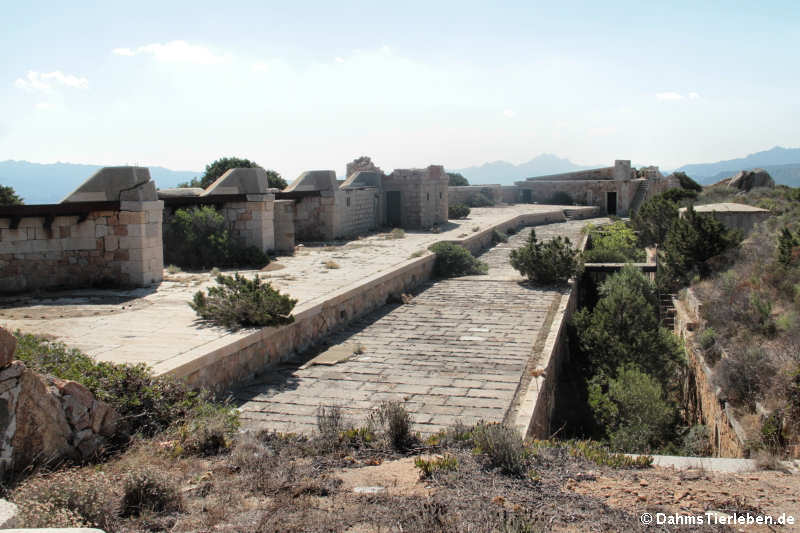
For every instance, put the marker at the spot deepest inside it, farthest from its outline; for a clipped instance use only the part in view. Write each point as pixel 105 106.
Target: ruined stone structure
pixel 416 198
pixel 619 189
pixel 107 232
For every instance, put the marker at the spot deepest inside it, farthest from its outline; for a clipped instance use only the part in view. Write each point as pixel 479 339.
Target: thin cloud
pixel 174 52
pixel 669 96
pixel 694 96
pixel 339 60
pixel 44 105
pixel 510 113
pixel 47 81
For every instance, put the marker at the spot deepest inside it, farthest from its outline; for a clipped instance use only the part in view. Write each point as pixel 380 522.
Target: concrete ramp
pixel 110 184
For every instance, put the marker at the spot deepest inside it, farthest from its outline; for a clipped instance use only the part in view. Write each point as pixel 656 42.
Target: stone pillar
pixel 142 253
pixel 284 225
pixel 259 231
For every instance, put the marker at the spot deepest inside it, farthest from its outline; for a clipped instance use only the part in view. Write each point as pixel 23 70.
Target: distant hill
pixel 39 183
pixel 782 174
pixel 781 163
pixel 506 173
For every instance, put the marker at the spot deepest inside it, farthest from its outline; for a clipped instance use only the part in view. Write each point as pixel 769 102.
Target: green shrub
pixel 615 243
pixel 9 197
pixel 453 260
pixel 430 467
pixel 680 196
pixel 633 410
pixel 150 403
pixel 687 183
pixel 149 490
pixel 391 422
pixel 707 338
pixel 600 455
pixel 68 498
pixel 692 240
pixel 788 247
pixel 697 441
pixel 217 168
pixel 653 220
pixel 241 302
pixel 498 237
pixel 503 446
pixel 480 200
pixel 454 179
pixel 457 211
pixel 207 430
pixel 546 263
pixel 199 238
pixel 624 327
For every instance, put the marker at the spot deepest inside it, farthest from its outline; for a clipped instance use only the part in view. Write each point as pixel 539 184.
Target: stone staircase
pixel 666 310
pixel 641 195
pixel 572 214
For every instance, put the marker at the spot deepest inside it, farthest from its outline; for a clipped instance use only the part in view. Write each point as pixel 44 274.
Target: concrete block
pixel 11 235
pixel 80 243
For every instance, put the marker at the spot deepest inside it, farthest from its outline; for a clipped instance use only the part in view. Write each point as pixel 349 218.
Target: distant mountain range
pixel 39 183
pixel 783 164
pixel 506 173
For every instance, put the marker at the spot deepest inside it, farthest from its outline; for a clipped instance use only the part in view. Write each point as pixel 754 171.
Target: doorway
pixel 527 197
pixel 394 213
pixel 611 203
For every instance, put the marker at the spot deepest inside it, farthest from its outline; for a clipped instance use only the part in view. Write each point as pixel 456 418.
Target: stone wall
pixel 284 225
pixel 701 396
pixel 314 217
pixel 424 195
pixel 356 212
pixel 465 194
pixel 584 192
pixel 252 220
pixel 120 247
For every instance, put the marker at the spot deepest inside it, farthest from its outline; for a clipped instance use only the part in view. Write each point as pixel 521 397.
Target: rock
pixel 77 391
pixel 88 444
pixel 12 371
pixel 110 424
pixel 748 179
pixel 42 432
pixel 77 414
pixel 8 343
pixel 8 514
pixel 99 412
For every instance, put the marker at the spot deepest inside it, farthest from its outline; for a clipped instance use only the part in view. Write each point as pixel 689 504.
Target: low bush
pixel 633 410
pixel 208 430
pixel 654 218
pixel 480 200
pixel 457 211
pixel 498 237
pixel 615 243
pixel 687 183
pixel 743 375
pixel 68 498
pixel 600 455
pixel 707 338
pixel 147 489
pixel 503 446
pixel 147 403
pixel 453 260
pixel 697 441
pixel 431 467
pixel 546 263
pixel 391 423
pixel 238 302
pixel 199 238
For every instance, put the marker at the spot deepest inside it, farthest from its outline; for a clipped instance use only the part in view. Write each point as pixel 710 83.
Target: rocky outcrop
pixel 46 420
pixel 749 179
pixel 8 343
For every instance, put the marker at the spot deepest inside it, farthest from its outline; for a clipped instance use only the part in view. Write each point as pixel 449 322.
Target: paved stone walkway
pixel 156 326
pixel 456 352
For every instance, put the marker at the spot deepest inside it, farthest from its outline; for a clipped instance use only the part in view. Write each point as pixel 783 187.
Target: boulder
pixel 42 432
pixel 749 179
pixel 8 344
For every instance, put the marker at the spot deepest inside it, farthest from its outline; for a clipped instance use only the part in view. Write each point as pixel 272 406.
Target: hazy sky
pixel 312 85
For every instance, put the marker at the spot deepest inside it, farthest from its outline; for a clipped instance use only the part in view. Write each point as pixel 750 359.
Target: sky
pixel 309 85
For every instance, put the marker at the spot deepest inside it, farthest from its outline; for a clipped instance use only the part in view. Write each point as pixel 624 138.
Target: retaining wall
pixel 356 212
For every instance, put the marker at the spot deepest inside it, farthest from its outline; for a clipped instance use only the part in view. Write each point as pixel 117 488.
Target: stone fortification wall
pixel 116 247
pixel 583 192
pixel 284 225
pixel 356 212
pixel 424 195
pixel 252 220
pixel 465 194
pixel 701 396
pixel 314 218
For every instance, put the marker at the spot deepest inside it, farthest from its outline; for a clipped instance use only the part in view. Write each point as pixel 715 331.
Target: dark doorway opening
pixel 394 209
pixel 527 197
pixel 611 203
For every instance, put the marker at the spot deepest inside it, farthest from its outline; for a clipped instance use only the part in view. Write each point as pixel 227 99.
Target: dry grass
pixel 331 264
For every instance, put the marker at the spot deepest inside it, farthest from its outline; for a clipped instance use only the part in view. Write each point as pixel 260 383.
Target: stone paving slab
pixel 156 325
pixel 456 352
